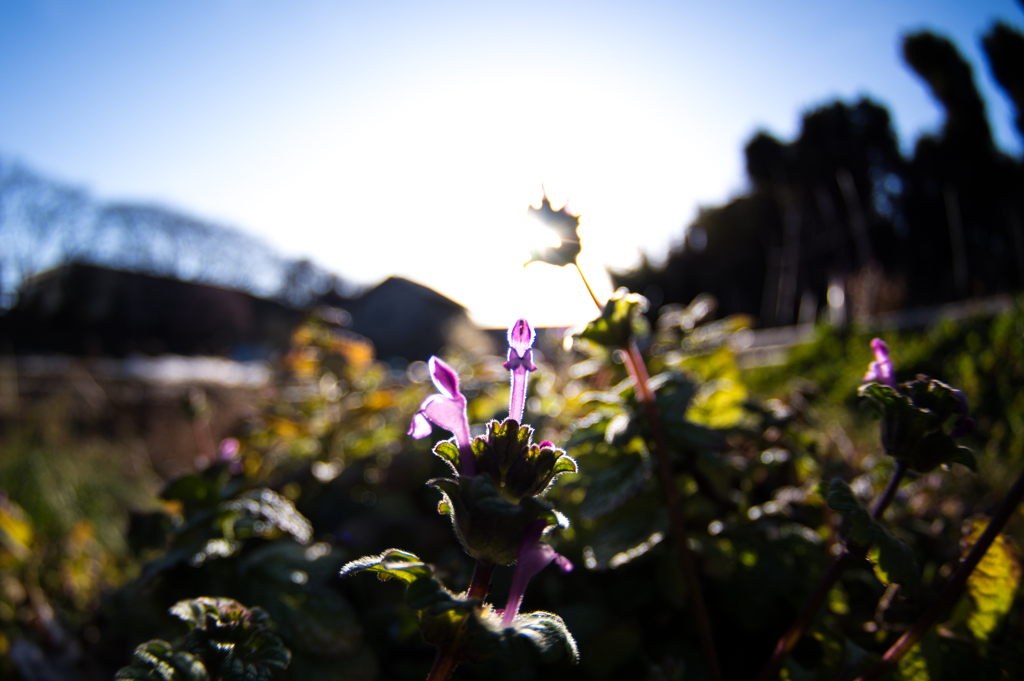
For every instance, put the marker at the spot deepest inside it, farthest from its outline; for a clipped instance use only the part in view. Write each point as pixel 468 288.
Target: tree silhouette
pixel 960 189
pixel 840 207
pixel 1004 48
pixel 44 224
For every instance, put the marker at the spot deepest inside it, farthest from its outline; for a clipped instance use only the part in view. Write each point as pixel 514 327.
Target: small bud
pixel 520 363
pixel 881 369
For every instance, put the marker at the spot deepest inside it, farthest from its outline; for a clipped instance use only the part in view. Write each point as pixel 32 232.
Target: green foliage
pixel 621 320
pixel 893 558
pixel 993 584
pixel 393 563
pixel 519 467
pixel 488 525
pixel 225 638
pixel 466 625
pixel 326 462
pixel 917 420
pixel 158 661
pixel 234 642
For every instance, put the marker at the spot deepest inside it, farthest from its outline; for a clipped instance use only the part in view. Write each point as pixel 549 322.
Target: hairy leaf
pixel 158 661
pixel 393 563
pixel 265 513
pixel 234 642
pixel 546 634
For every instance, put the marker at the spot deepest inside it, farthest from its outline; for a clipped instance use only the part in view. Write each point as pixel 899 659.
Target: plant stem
pixel 634 362
pixel 481 582
pixel 806 615
pixel 444 664
pixel 890 490
pixel 448 658
pixel 952 589
pixel 600 307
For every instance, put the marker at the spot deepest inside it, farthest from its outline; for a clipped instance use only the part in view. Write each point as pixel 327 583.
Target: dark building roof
pixel 80 309
pixel 404 319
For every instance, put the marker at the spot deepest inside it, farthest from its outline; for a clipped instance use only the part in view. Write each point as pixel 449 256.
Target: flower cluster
pixel 495 501
pixel 920 418
pixel 494 498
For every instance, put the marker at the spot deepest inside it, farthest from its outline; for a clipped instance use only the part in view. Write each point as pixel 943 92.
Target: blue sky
pixel 409 137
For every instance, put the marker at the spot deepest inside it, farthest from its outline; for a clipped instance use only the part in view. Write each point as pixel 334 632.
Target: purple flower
pixel 534 556
pixel 520 363
pixel 881 369
pixel 229 448
pixel 446 410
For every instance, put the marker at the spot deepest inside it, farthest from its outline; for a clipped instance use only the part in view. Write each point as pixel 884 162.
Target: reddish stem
pixel 448 658
pixel 481 582
pixel 806 615
pixel 444 664
pixel 952 589
pixel 638 370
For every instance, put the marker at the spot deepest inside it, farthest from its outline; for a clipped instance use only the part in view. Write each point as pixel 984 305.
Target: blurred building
pixel 88 310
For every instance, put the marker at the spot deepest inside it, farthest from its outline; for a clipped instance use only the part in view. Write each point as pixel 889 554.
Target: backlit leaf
pixel 993 584
pixel 392 563
pixel 157 661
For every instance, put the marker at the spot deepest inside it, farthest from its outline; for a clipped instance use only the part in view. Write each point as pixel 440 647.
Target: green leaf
pixel 565 226
pixel 393 563
pixel 629 533
pixel 841 499
pixel 292 583
pixel 157 661
pixel 614 486
pixel 546 634
pixel 449 451
pixel 923 662
pixel 265 513
pixel 621 320
pixel 487 524
pixel 993 583
pixel 917 419
pixel 477 633
pixel 235 642
pixel 565 464
pixel 894 559
pixel 198 490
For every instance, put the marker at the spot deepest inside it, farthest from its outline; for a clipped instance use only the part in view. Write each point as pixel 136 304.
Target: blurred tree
pixel 1004 47
pixel 840 215
pixel 823 207
pixel 44 224
pixel 960 189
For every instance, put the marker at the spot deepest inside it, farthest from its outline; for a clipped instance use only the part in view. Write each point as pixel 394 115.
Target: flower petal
pixel 444 377
pixel 521 336
pixel 534 556
pixel 419 427
pixel 446 413
pixel 881 369
pixel 563 563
